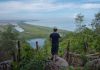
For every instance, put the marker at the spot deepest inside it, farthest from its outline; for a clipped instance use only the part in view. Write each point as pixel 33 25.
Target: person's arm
pixel 60 38
pixel 50 38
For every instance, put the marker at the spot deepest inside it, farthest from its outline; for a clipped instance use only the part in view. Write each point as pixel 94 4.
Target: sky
pixel 50 10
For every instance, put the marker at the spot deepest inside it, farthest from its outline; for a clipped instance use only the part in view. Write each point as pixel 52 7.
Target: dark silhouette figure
pixel 37 46
pixel 54 37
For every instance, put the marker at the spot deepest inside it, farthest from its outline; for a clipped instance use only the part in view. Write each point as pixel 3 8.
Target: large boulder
pixel 93 65
pixel 58 64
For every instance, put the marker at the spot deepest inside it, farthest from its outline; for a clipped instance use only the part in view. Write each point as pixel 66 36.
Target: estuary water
pixel 32 42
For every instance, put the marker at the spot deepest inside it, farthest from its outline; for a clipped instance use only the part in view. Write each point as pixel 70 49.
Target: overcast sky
pixel 47 9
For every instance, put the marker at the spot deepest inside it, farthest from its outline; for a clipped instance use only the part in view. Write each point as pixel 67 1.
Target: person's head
pixel 55 29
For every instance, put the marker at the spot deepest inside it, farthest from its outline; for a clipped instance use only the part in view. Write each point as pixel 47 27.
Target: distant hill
pixel 34 31
pixel 2 22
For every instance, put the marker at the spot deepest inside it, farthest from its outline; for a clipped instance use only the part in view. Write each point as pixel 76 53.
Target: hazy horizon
pixel 49 12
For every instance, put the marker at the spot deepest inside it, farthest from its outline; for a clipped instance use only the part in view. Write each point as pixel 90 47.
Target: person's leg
pixel 52 52
pixel 56 49
pixel 55 52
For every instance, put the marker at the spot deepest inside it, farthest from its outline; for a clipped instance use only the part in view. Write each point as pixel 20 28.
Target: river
pixel 32 42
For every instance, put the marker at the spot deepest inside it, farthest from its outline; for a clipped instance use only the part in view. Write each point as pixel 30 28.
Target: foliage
pixel 79 20
pixel 71 68
pixel 8 39
pixel 32 59
pixel 84 59
pixel 96 23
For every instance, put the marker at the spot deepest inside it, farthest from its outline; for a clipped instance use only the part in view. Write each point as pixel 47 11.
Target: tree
pixel 96 23
pixel 96 28
pixel 79 20
pixel 8 40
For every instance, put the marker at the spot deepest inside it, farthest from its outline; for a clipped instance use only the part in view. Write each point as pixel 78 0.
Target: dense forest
pixel 84 41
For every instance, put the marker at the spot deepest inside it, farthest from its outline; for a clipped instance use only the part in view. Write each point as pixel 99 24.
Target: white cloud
pixel 90 6
pixel 42 6
pixel 95 1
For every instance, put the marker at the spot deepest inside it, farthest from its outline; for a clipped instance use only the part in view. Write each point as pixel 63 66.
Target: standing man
pixel 54 37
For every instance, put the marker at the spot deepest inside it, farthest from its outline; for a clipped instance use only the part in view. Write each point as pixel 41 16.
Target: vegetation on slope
pixel 33 31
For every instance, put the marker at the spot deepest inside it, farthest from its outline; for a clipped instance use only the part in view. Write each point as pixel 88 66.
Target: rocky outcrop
pixel 6 65
pixel 58 64
pixel 93 65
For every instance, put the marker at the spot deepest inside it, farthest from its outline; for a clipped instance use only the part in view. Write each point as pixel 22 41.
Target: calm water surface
pixel 32 42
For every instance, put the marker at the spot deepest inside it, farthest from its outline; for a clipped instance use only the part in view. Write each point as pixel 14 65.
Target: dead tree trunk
pixel 18 55
pixel 37 46
pixel 67 55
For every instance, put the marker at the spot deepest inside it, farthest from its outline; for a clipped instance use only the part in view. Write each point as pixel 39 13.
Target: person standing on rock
pixel 54 37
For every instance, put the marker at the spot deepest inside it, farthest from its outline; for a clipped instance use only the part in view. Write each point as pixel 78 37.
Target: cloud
pixel 17 8
pixel 90 6
pixel 42 6
pixel 21 6
pixel 94 1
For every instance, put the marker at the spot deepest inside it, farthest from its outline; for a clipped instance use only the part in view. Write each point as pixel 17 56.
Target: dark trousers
pixel 54 49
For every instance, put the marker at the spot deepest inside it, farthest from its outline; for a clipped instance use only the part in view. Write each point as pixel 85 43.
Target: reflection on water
pixel 32 42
